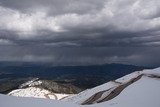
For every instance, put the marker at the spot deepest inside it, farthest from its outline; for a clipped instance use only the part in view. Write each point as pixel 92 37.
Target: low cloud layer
pixel 69 32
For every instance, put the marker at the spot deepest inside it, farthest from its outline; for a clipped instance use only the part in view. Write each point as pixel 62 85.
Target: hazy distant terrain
pixel 79 78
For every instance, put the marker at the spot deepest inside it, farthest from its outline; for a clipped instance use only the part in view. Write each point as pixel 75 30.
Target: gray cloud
pixel 69 32
pixel 55 7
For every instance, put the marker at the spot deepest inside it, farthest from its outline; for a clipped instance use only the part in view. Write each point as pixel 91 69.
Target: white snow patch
pixel 37 93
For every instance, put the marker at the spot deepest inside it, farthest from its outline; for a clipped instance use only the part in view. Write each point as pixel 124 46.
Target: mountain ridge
pixel 142 91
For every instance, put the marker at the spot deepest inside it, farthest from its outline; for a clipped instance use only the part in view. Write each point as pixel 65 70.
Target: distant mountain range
pixel 12 75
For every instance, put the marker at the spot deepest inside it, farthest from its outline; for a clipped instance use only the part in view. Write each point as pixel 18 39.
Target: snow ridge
pixel 31 83
pixel 138 89
pixel 111 89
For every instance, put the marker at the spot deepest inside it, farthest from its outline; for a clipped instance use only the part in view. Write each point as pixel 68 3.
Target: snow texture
pixel 144 92
pixel 37 93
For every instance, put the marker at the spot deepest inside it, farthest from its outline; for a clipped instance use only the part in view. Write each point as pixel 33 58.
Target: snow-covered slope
pixel 30 89
pixel 143 93
pixel 11 101
pixel 139 89
pixel 112 89
pixel 37 93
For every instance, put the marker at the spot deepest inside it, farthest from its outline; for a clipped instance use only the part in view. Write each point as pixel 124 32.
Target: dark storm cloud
pixel 76 32
pixel 82 56
pixel 55 7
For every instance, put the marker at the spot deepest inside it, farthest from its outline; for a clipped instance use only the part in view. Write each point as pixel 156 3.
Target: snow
pixel 129 76
pixel 37 93
pixel 88 93
pixel 110 86
pixel 10 101
pixel 142 93
pixel 81 97
pixel 33 91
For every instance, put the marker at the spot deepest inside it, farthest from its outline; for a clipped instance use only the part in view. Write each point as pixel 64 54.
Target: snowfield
pixel 37 93
pixel 29 89
pixel 138 89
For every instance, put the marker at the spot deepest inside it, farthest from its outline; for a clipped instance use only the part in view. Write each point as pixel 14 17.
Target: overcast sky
pixel 80 32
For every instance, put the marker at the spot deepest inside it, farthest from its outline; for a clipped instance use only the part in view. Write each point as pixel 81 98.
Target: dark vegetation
pixel 73 78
